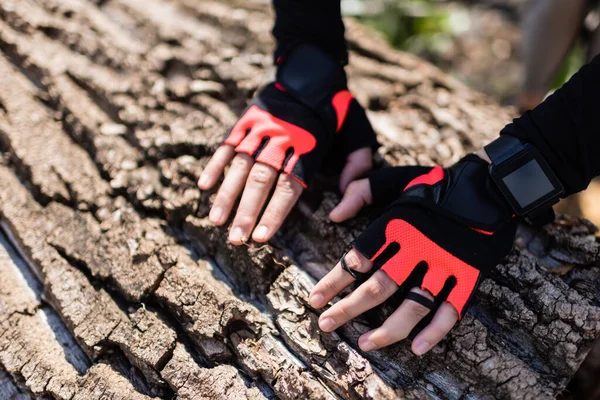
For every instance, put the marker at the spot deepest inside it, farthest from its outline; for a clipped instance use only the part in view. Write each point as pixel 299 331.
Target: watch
pixel 523 176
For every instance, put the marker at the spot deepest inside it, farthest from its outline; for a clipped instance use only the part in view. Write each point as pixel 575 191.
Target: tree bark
pixel 114 285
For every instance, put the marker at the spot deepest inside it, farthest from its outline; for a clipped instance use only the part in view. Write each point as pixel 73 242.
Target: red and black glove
pixel 292 124
pixel 444 227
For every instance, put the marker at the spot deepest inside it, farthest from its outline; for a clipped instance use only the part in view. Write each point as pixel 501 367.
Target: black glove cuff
pixel 387 184
pixel 361 135
pixel 310 75
pixel 466 182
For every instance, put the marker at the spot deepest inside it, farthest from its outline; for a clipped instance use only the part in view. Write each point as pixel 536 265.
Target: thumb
pixel 358 163
pixel 356 196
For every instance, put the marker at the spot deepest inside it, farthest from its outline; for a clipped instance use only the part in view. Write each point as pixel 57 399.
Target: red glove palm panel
pixel 415 248
pixel 453 220
pixel 282 132
pixel 283 140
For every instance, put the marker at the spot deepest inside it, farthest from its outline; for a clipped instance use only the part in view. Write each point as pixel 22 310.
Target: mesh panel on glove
pixel 433 223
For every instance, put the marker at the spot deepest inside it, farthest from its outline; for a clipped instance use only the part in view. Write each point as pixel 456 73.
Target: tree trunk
pixel 114 285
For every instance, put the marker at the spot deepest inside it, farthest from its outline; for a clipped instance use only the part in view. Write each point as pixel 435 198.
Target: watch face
pixel 528 184
pixel 527 181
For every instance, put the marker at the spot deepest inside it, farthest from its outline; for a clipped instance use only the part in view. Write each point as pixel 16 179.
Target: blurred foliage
pixel 411 25
pixel 430 27
pixel 571 64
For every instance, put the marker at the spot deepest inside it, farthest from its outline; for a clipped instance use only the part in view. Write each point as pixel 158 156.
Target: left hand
pixel 277 146
pixel 256 180
pixel 447 227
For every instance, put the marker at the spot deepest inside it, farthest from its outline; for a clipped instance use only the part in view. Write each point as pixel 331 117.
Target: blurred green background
pixel 414 26
pixel 478 41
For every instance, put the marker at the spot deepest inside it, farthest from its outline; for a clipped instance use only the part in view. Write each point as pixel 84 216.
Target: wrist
pixel 310 75
pixel 483 155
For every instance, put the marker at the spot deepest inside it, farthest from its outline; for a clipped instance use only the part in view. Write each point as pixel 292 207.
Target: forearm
pixel 310 21
pixel 566 128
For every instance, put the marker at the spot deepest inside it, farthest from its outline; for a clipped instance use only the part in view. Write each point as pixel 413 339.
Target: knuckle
pixel 353 262
pixel 239 162
pixel 386 338
pixel 376 288
pixel 418 309
pixel 329 286
pixel 224 196
pixel 272 215
pixel 286 187
pixel 390 332
pixel 436 333
pixel 345 313
pixel 260 174
pixel 244 218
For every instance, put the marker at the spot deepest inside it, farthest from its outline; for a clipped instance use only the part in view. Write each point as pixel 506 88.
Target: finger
pixel 287 192
pixel 337 279
pixel 377 289
pixel 358 163
pixel 398 325
pixel 230 188
pixel 260 181
pixel 217 163
pixel 443 321
pixel 356 196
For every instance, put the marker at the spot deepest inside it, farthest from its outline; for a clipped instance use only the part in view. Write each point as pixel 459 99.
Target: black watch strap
pixel 501 149
pixel 541 218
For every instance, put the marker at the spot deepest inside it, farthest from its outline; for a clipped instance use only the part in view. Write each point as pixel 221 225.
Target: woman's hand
pixel 288 131
pixel 255 181
pixel 377 289
pixel 374 292
pixel 439 237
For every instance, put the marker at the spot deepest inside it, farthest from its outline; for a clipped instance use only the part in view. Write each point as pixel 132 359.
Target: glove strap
pixel 422 300
pixel 503 148
pixel 359 276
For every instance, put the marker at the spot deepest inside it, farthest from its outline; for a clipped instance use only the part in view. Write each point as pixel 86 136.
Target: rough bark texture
pixel 114 285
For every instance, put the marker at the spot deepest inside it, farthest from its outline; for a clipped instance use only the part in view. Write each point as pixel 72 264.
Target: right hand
pixel 444 231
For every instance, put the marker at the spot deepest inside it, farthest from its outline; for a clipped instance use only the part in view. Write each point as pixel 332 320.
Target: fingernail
pixel 422 348
pixel 367 346
pixel 316 300
pixel 215 215
pixel 260 233
pixel 327 324
pixel 203 180
pixel 236 235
